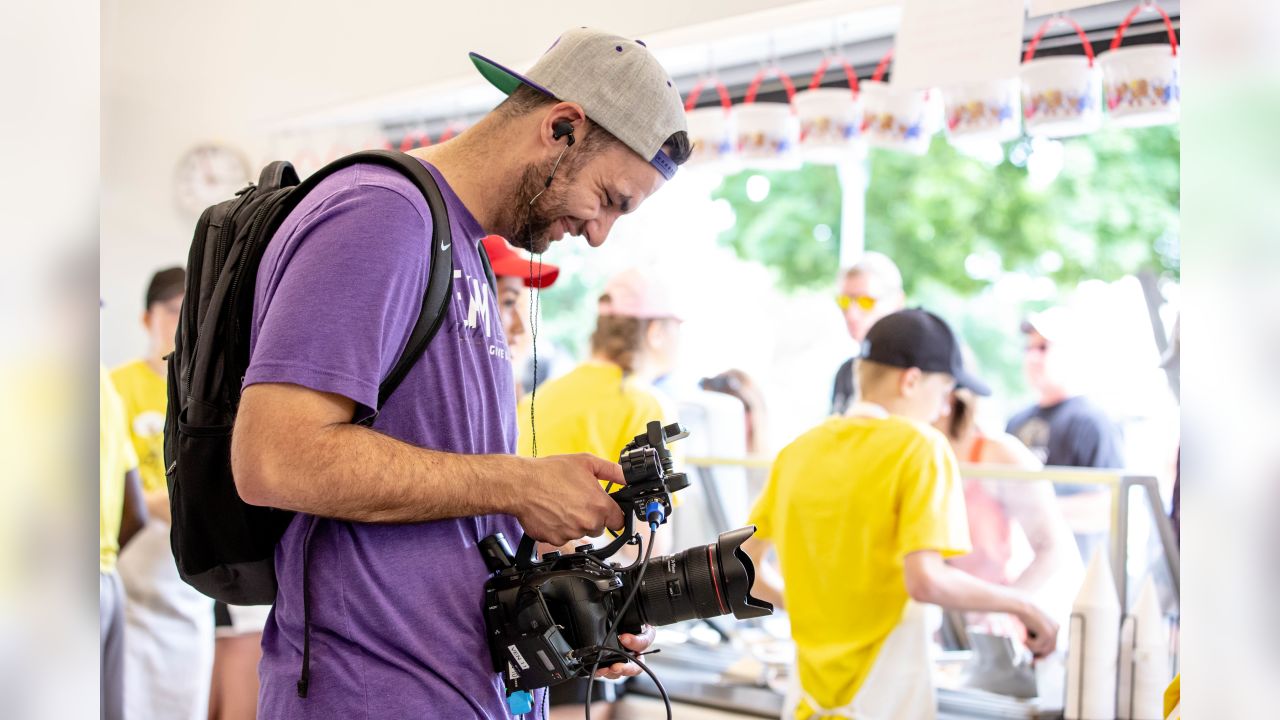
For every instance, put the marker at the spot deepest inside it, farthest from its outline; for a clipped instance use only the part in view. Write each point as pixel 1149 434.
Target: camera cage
pixel 647 466
pixel 528 645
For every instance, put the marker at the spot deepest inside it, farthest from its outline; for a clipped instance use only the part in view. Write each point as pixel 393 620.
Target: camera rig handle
pixel 525 551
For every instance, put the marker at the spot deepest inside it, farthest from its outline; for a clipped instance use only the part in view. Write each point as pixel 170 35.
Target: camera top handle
pixel 650 480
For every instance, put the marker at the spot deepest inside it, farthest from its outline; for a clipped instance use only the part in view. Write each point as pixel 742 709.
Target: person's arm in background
pixel 157 503
pixel 1034 507
pixel 768 585
pixel 930 580
pixel 134 515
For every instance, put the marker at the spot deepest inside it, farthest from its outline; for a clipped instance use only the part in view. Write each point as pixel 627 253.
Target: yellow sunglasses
pixel 865 302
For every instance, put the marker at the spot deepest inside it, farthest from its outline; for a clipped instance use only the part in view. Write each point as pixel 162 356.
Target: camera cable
pixel 613 628
pixel 535 306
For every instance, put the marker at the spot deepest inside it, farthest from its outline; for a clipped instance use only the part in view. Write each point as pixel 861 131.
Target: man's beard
pixel 530 228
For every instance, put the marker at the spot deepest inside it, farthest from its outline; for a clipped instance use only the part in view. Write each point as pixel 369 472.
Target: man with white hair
pixel 869 289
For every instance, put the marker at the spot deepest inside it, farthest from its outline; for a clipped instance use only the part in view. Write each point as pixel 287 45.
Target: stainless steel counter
pixel 693 675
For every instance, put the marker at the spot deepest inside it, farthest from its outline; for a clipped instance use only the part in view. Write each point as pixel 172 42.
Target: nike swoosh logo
pixel 445 246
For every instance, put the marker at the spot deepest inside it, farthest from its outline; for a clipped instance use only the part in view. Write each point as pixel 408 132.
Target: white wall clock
pixel 209 173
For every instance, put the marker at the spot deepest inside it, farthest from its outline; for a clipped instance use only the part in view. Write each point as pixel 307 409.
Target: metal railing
pixel 1119 483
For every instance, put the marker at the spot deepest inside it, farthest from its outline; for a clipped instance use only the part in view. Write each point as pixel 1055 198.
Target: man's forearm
pixel 350 472
pixel 955 589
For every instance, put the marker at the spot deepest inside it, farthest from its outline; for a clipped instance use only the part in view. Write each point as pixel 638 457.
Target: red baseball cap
pixel 507 262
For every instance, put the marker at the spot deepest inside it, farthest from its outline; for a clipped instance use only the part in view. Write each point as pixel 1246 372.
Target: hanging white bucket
pixel 830 118
pixel 902 120
pixel 711 129
pixel 984 112
pixel 1140 83
pixel 1061 95
pixel 768 132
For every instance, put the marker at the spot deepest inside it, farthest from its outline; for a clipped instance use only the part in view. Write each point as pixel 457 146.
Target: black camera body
pixel 553 619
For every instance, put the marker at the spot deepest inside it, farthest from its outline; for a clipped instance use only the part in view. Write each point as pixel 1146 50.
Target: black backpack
pixel 225 547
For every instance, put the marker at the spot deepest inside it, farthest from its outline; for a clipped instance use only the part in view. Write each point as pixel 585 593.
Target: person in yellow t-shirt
pixel 605 403
pixel 121 514
pixel 601 405
pixel 170 624
pixel 862 511
pixel 142 385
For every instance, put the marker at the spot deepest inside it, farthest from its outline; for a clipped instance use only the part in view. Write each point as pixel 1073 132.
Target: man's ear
pixel 146 319
pixel 655 335
pixel 565 111
pixel 909 381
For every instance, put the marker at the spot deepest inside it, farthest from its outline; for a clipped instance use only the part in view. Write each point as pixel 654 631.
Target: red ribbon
pixel 1058 20
pixel 849 74
pixel 1168 24
pixel 764 72
pixel 723 91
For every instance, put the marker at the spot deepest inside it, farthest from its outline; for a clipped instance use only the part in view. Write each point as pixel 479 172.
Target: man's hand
pixel 635 643
pixel 1042 630
pixel 562 500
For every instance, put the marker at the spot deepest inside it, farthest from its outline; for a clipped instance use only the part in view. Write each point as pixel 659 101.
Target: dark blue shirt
pixel 1073 433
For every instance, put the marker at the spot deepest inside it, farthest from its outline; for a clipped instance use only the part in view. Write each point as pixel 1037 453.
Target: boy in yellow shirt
pixel 863 510
pixel 170 623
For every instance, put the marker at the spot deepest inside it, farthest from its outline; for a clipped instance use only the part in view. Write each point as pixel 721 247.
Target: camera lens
pixel 701 582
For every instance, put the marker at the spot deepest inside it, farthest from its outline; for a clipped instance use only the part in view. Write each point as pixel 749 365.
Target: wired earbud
pixel 559 129
pixel 562 128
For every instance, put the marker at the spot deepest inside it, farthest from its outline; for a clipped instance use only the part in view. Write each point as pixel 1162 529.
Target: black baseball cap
pixel 165 285
pixel 919 339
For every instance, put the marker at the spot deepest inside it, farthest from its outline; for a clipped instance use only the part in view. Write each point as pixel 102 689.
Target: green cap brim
pixel 497 75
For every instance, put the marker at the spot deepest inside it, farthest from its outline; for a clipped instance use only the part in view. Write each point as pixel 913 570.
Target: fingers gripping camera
pixel 552 619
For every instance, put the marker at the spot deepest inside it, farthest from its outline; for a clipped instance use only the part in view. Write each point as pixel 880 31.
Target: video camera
pixel 558 618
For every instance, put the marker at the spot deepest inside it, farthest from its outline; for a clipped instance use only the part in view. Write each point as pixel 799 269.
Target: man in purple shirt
pixel 379 566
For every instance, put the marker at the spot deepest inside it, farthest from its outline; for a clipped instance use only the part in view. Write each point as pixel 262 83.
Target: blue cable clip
pixel 653 514
pixel 520 702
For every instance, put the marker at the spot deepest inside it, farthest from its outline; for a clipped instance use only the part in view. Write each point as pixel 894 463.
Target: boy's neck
pixel 892 403
pixel 156 362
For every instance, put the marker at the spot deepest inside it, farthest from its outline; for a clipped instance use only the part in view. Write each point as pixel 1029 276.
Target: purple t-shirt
pixel 397 629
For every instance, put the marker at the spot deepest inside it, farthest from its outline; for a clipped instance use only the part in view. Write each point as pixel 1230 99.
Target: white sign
pixel 957 42
pixel 1036 8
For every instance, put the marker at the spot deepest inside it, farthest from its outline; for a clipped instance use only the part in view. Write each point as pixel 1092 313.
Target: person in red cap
pixel 515 273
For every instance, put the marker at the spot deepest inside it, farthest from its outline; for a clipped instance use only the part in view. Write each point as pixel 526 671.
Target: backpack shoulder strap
pixel 435 300
pixel 488 269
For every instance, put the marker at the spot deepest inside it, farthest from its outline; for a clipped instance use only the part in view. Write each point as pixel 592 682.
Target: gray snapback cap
pixel 617 81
